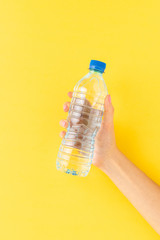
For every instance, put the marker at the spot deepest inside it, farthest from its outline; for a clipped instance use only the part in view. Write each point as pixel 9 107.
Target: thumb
pixel 108 113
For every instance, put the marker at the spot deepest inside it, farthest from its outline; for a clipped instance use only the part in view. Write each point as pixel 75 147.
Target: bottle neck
pixel 96 72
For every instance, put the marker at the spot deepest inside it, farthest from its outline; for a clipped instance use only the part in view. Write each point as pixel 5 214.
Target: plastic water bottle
pixel 85 115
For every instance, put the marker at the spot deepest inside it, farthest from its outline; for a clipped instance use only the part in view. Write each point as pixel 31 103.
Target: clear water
pixel 85 115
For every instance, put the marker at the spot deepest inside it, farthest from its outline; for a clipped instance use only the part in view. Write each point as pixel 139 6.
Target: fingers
pixel 66 106
pixel 62 134
pixel 108 112
pixel 63 123
pixel 70 94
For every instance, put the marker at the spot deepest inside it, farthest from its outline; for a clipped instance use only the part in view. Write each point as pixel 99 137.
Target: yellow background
pixel 45 48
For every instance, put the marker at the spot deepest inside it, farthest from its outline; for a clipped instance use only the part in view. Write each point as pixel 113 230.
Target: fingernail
pixel 63 123
pixel 61 134
pixel 109 98
pixel 65 107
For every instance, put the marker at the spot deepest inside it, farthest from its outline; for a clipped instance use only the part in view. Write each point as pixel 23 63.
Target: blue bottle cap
pixel 97 65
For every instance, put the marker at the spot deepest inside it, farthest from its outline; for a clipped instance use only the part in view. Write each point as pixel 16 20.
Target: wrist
pixel 110 160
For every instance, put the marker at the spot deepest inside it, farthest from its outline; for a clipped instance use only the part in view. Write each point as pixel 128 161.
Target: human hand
pixel 131 181
pixel 105 144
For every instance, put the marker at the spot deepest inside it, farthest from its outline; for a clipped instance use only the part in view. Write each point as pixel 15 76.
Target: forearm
pixel 140 190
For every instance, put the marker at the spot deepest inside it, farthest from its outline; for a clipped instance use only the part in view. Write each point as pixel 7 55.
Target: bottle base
pixel 72 171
